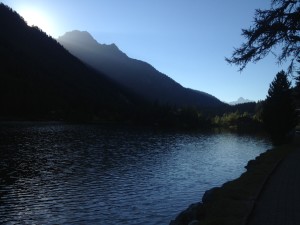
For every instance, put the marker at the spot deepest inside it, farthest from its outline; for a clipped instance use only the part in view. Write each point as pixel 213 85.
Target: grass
pixel 232 203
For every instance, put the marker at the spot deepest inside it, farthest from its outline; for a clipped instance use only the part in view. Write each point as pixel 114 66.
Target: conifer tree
pixel 297 91
pixel 276 28
pixel 279 114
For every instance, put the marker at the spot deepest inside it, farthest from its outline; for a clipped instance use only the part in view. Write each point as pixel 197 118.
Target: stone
pixel 194 222
pixel 208 195
pixel 191 214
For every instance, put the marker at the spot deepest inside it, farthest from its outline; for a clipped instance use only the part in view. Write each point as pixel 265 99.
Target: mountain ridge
pixel 240 100
pixel 140 77
pixel 39 79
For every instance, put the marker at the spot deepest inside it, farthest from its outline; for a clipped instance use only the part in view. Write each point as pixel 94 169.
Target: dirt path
pixel 279 202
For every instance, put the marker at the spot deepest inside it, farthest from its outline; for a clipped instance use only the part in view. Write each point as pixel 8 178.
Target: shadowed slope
pixel 39 79
pixel 134 74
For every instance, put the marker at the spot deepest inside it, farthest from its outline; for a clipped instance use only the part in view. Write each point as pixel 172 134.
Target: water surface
pixel 53 173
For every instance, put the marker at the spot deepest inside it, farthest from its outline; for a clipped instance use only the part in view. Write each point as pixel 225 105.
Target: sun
pixel 36 17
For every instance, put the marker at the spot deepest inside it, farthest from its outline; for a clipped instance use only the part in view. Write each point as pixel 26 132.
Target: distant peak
pixel 86 41
pixel 240 100
pixel 77 33
pixel 84 37
pixel 78 36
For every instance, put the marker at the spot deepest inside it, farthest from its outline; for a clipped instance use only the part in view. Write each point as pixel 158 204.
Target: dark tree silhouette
pixel 298 86
pixel 278 26
pixel 297 90
pixel 279 115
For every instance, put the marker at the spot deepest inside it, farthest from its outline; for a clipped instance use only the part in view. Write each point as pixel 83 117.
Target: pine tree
pixel 279 113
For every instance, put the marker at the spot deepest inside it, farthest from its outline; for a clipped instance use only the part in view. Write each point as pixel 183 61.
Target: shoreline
pixel 233 202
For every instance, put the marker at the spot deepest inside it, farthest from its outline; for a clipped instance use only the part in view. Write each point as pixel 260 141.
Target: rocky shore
pixel 195 212
pixel 233 202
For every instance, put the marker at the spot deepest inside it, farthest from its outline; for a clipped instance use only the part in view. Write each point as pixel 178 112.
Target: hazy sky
pixel 187 40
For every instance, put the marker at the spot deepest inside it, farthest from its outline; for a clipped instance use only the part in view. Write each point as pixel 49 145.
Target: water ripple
pixel 92 174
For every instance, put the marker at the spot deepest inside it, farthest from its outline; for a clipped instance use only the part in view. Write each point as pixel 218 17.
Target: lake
pixel 55 173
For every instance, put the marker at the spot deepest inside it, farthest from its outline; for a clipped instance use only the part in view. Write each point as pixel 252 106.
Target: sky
pixel 187 40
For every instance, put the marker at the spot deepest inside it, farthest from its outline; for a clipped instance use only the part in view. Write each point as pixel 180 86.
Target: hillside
pixel 39 79
pixel 135 75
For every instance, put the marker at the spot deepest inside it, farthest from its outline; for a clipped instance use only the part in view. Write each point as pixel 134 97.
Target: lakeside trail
pixel 268 193
pixel 279 201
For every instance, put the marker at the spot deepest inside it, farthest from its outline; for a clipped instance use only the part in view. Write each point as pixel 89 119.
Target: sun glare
pixel 35 17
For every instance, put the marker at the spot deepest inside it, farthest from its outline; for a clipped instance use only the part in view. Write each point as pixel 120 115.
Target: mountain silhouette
pixel 240 100
pixel 138 76
pixel 39 79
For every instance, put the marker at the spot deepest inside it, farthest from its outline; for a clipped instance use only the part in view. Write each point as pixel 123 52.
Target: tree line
pixel 277 27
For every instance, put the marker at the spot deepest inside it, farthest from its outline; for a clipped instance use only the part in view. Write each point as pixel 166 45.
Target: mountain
pixel 136 75
pixel 39 79
pixel 241 100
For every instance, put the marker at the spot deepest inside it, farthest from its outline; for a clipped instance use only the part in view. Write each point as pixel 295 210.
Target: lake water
pixel 53 173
